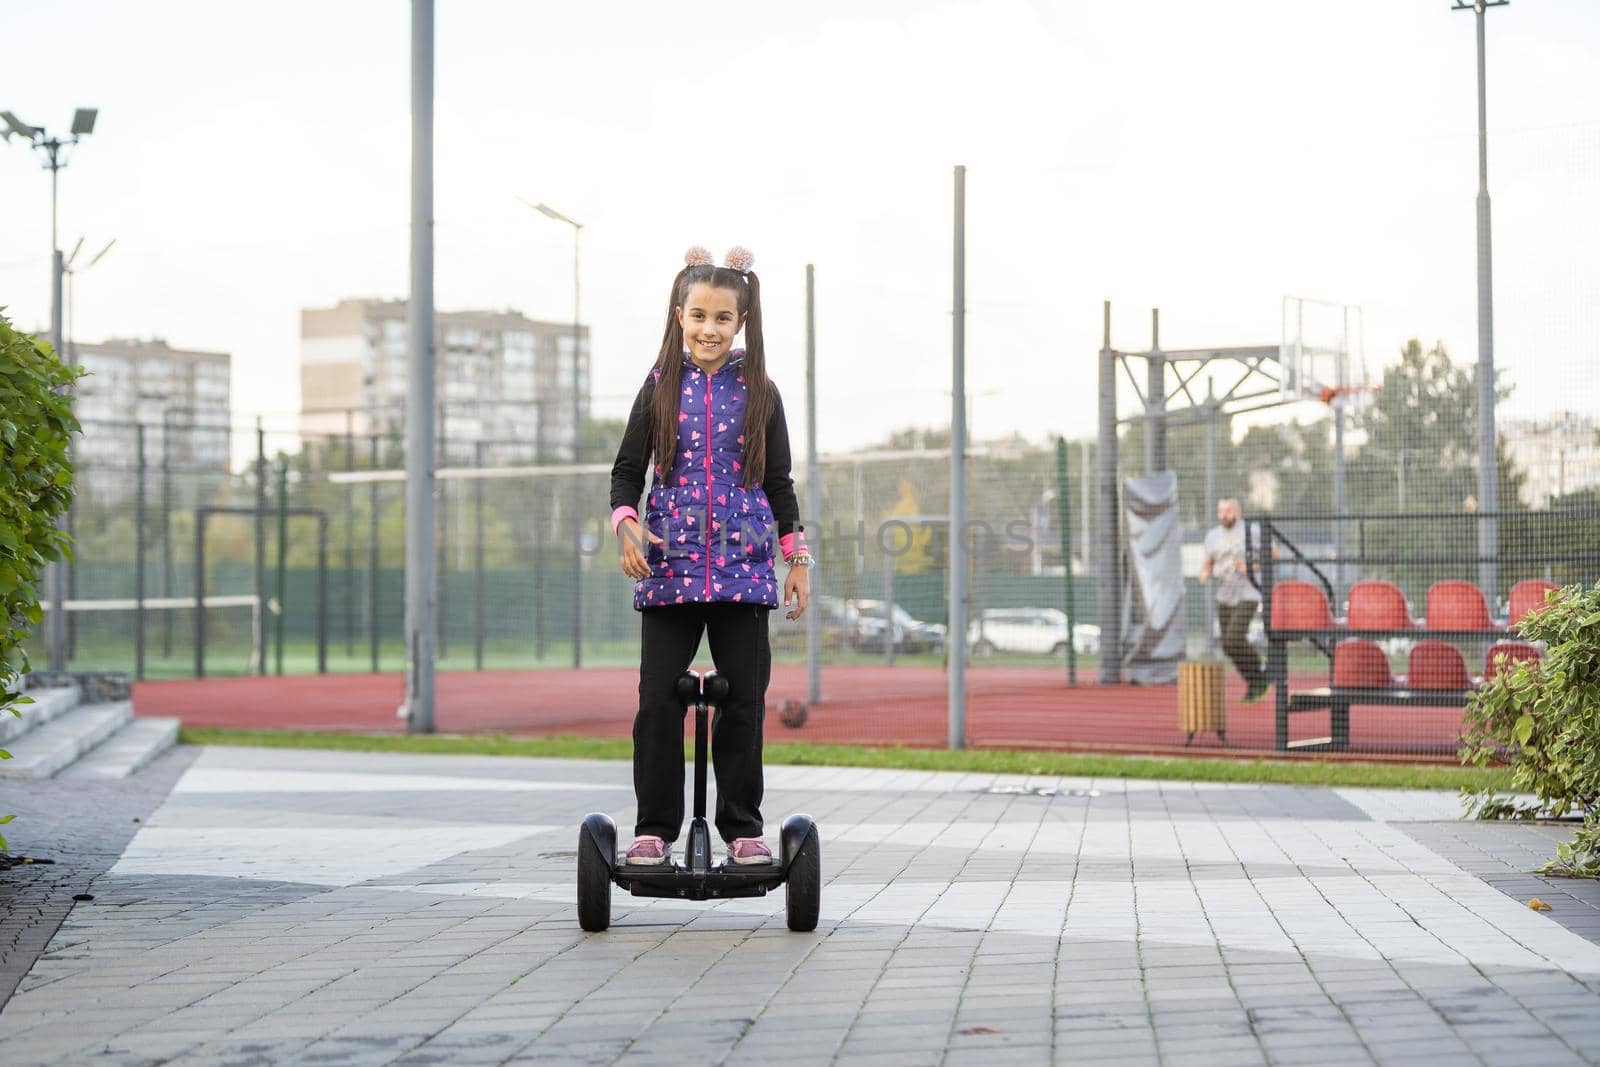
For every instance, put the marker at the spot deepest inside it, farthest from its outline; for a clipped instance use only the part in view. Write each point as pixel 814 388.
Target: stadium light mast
pixel 421 594
pixel 1488 475
pixel 577 423
pixel 956 630
pixel 38 137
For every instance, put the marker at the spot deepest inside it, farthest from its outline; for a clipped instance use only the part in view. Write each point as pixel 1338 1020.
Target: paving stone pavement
pixel 348 908
pixel 80 828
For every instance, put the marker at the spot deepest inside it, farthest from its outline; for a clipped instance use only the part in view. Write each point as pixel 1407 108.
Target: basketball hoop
pixel 1321 354
pixel 1331 393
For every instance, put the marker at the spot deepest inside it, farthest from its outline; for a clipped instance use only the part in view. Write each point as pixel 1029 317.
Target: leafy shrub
pixel 1546 717
pixel 36 423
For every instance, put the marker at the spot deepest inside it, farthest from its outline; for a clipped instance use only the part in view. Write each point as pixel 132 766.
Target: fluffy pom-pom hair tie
pixel 740 259
pixel 697 257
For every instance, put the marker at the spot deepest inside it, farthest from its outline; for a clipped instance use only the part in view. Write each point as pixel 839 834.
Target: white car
pixel 1040 630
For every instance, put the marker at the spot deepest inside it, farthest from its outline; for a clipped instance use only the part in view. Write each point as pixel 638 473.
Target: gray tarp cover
pixel 1153 638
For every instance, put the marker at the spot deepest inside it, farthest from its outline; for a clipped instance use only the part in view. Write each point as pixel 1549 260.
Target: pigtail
pixel 662 444
pixel 758 388
pixel 663 439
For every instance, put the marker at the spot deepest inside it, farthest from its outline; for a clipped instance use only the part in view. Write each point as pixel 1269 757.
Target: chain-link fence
pixel 217 551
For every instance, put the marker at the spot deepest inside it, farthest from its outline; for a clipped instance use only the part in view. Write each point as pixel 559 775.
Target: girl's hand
pixel 797 587
pixel 634 564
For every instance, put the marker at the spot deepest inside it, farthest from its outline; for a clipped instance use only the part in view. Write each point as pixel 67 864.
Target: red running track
pixel 1021 707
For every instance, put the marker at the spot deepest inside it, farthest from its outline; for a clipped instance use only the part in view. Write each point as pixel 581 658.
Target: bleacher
pixel 1457 644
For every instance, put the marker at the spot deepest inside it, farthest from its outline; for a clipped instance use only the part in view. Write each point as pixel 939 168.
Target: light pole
pixel 577 425
pixel 1488 490
pixel 38 137
pixel 421 370
pixel 956 630
pixel 71 273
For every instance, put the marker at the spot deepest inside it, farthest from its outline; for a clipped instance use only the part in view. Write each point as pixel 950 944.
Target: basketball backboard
pixel 1322 353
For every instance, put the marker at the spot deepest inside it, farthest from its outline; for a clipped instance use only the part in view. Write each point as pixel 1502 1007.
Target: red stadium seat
pixel 1359 663
pixel 1378 606
pixel 1527 597
pixel 1437 665
pixel 1506 655
pixel 1300 606
pixel 1454 605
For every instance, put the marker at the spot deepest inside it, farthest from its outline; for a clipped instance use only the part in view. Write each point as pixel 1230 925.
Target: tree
pixel 1422 433
pixel 1421 455
pixel 36 423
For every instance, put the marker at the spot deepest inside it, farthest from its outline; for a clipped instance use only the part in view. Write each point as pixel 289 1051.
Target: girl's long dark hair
pixel 669 386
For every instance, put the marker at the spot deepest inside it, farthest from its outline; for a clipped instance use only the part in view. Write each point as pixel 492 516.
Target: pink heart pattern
pixel 700 504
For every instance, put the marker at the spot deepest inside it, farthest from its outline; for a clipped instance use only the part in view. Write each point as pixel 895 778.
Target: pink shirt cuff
pixel 791 543
pixel 624 512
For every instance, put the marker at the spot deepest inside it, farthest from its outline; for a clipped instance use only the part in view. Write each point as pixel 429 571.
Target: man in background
pixel 1237 596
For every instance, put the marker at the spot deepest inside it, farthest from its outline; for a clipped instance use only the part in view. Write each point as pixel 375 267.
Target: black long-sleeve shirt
pixel 628 472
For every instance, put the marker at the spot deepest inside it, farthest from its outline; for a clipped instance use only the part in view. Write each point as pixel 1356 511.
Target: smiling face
pixel 710 320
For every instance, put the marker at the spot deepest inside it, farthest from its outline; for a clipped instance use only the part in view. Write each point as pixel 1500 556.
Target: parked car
pixel 1041 630
pixel 910 635
pixel 840 621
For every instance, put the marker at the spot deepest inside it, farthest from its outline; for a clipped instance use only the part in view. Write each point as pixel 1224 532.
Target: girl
pixel 713 424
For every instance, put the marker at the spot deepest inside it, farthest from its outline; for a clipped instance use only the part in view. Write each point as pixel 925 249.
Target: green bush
pixel 36 423
pixel 1546 717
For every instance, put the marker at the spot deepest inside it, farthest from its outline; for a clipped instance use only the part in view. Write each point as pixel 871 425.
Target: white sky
pixel 1203 158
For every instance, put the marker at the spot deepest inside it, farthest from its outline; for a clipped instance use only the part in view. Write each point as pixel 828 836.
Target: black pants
pixel 1234 622
pixel 670 636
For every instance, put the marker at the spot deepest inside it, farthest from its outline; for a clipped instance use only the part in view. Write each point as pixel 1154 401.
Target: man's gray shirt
pixel 1225 549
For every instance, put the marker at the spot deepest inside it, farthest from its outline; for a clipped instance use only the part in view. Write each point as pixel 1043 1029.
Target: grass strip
pixel 986 760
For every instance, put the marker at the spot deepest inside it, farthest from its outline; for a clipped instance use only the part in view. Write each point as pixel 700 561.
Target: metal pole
pixel 69 523
pixel 1155 425
pixel 166 532
pixel 813 510
pixel 1339 503
pixel 1210 504
pixel 859 514
pixel 420 590
pixel 1086 488
pixel 577 457
pixel 1064 521
pixel 259 653
pixel 538 535
pixel 57 632
pixel 956 640
pixel 442 528
pixel 888 609
pixel 200 516
pixel 1106 554
pixel 1488 488
pixel 282 561
pixel 349 537
pixel 477 561
pixel 138 554
pixel 373 576
pixel 322 593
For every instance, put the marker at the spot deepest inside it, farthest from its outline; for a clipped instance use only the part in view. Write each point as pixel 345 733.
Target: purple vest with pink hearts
pixel 720 538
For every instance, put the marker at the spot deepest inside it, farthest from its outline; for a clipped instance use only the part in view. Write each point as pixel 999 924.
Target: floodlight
pixel 83 121
pixel 17 125
pixel 551 213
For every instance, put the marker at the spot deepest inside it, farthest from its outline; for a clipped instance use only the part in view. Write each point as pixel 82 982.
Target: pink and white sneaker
pixel 647 851
pixel 744 850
